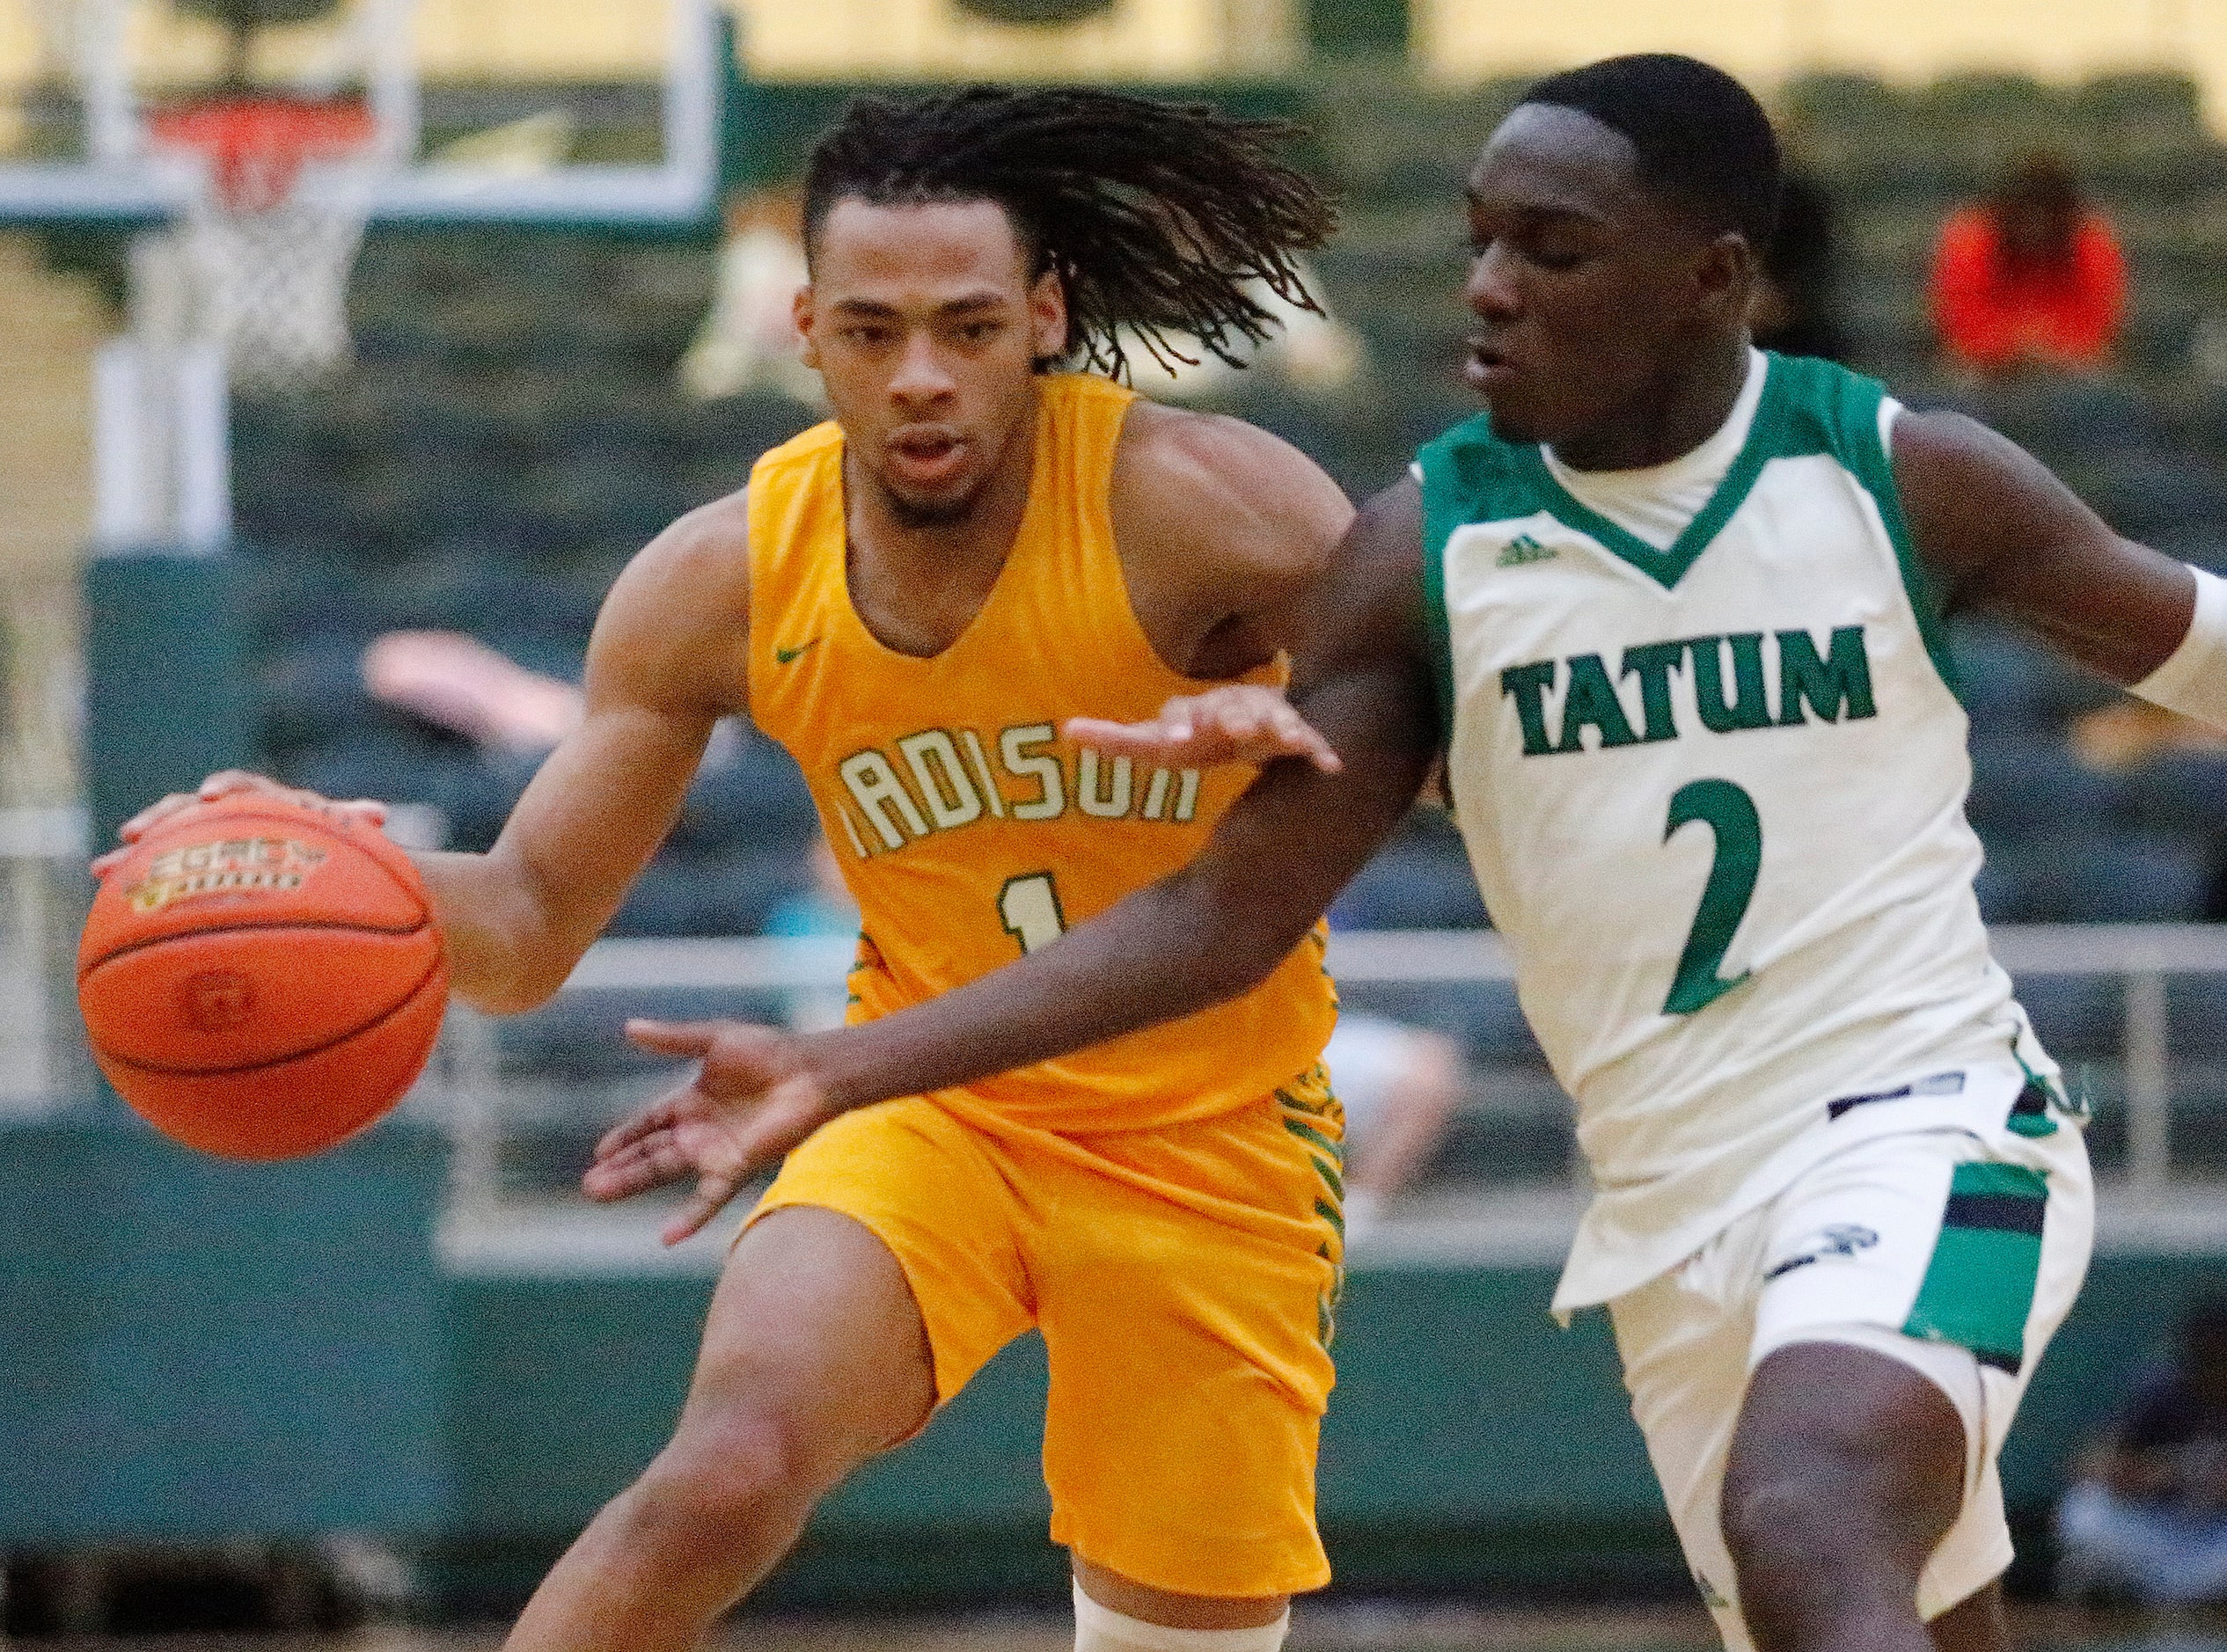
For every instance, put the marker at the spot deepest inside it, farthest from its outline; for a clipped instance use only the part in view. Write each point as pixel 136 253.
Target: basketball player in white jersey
pixel 1671 610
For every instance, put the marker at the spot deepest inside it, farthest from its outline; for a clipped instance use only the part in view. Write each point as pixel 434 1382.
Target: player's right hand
pixel 1238 722
pixel 232 783
pixel 754 1097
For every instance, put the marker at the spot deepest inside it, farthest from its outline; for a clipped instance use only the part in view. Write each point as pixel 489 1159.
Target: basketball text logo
pixel 216 1000
pixel 234 866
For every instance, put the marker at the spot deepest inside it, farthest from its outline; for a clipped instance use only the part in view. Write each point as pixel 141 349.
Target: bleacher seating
pixel 498 451
pixel 503 446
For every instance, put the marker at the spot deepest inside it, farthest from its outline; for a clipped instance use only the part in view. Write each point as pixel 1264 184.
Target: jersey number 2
pixel 1730 814
pixel 1029 907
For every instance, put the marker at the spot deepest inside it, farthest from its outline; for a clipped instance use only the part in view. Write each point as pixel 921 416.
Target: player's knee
pixel 1818 1540
pixel 721 1476
pixel 1778 1528
pixel 1101 1628
pixel 1796 1575
pixel 1864 1486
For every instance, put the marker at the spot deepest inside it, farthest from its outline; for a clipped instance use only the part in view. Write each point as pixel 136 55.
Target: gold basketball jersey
pixel 968 829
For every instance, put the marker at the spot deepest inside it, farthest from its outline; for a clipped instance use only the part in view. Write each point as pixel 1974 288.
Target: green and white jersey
pixel 1714 790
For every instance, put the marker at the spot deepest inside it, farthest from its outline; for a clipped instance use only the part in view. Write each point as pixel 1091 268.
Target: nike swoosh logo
pixel 782 656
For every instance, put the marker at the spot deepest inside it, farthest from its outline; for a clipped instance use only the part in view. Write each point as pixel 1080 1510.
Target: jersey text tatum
pixel 1834 685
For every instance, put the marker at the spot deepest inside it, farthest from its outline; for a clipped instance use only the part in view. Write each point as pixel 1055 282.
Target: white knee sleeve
pixel 1102 1629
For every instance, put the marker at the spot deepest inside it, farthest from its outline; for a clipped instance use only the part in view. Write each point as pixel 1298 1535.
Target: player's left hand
pixel 1238 722
pixel 752 1097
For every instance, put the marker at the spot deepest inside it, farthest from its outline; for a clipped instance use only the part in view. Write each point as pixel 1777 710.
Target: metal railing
pixel 40 851
pixel 2143 956
pixel 37 846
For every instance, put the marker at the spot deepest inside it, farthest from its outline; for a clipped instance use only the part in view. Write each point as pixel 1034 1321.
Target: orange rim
pixel 256 146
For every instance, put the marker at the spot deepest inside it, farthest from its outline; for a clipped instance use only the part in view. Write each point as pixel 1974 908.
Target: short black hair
pixel 1700 135
pixel 1158 216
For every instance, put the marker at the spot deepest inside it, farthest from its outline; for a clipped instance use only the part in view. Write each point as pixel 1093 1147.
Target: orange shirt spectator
pixel 2030 279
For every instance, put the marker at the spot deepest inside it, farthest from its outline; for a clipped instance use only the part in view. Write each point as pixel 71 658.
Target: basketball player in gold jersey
pixel 912 599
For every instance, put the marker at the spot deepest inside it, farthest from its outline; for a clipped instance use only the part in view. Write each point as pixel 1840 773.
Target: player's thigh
pixel 1935 1239
pixel 814 1352
pixel 1910 1286
pixel 1682 1340
pixel 1847 1451
pixel 1188 1332
pixel 1180 1442
pixel 1976 1624
pixel 938 1196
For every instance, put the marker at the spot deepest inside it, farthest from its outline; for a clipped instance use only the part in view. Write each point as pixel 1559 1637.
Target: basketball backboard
pixel 596 113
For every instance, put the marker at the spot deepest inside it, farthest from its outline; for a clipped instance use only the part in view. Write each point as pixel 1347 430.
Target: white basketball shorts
pixel 1955 1254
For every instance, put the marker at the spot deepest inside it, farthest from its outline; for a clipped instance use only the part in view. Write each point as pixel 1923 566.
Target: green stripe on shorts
pixel 1978 1290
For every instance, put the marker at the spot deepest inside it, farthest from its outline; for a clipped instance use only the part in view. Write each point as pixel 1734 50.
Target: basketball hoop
pixel 271 261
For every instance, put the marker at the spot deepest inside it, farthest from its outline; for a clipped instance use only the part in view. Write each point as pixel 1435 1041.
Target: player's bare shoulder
pixel 1225 483
pixel 675 628
pixel 1222 529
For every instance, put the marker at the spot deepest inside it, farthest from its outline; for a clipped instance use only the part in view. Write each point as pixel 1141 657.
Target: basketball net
pixel 269 261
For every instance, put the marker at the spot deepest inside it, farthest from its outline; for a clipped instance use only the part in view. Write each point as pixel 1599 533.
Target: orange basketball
pixel 260 980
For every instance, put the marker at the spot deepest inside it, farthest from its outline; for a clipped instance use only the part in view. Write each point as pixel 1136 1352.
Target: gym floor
pixel 1337 1626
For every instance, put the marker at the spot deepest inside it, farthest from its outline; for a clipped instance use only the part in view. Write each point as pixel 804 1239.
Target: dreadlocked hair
pixel 1158 217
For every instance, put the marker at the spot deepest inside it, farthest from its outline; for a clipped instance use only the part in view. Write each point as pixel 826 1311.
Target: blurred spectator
pixel 1309 352
pixel 1797 306
pixel 749 340
pixel 515 716
pixel 2031 278
pixel 457 682
pixel 824 907
pixel 1399 1086
pixel 2127 733
pixel 2147 1517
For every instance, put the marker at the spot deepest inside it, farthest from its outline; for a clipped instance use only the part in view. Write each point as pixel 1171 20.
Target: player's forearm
pixel 505 952
pixel 1116 975
pixel 518 917
pixel 1209 932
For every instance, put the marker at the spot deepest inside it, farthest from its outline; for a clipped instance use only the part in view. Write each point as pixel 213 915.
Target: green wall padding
pixel 197 1350
pixel 166 688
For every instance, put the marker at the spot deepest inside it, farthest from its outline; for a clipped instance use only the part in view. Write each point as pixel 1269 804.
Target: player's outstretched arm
pixel 666 662
pixel 2002 535
pixel 1213 930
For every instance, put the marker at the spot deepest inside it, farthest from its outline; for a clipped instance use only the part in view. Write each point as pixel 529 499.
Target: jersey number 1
pixel 1731 815
pixel 1029 907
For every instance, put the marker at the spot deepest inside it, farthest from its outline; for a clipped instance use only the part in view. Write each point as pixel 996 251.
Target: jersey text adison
pixel 941 780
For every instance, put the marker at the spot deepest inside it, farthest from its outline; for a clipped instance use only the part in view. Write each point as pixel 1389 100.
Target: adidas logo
pixel 1522 549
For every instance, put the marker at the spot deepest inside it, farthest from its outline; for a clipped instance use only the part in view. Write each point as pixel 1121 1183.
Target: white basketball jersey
pixel 1714 795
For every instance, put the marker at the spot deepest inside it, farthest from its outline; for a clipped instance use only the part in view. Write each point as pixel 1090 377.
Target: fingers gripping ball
pixel 262 980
